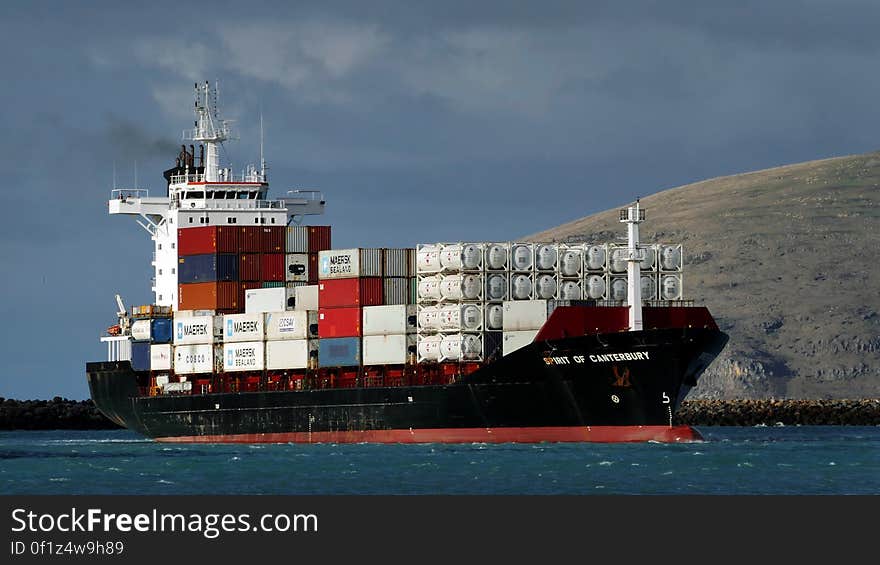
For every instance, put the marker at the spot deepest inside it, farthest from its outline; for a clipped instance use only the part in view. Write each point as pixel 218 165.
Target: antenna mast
pixel 633 216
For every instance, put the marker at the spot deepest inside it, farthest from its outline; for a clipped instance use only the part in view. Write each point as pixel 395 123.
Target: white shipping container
pixel 429 288
pixel 292 324
pixel 546 256
pixel 388 319
pixel 618 288
pixel 197 329
pixel 190 359
pixel 594 257
pixel 496 256
pixel 244 356
pixel 429 318
pixel 461 317
pixel 670 257
pixel 160 357
pixel 290 354
pixel 521 287
pixel 428 348
pixel 497 286
pixel 595 287
pixel 670 287
pixel 571 260
pixel 545 286
pixel 349 263
pixel 297 267
pixel 461 287
pixel 243 327
pixel 388 349
pixel 522 256
pixel 517 340
pixel 457 257
pixel 461 347
pixel 260 300
pixel 570 290
pixel 140 330
pixel 526 314
pixel 494 316
pixel 306 297
pixel 428 259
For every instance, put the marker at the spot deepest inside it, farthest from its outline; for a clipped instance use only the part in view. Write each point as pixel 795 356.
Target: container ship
pixel 262 331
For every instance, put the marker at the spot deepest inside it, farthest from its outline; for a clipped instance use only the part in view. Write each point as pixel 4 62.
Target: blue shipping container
pixel 140 355
pixel 160 330
pixel 339 352
pixel 207 268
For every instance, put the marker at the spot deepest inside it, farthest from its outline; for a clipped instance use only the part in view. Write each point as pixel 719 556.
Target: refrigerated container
pixel 389 319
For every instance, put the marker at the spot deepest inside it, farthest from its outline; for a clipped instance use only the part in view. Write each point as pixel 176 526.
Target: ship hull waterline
pixel 621 387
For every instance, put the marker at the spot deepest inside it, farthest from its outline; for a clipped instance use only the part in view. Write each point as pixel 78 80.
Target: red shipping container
pixel 319 238
pixel 208 296
pixel 313 268
pixel 273 267
pixel 273 240
pixel 339 322
pixel 250 267
pixel 228 239
pixel 343 293
pixel 197 241
pixel 250 239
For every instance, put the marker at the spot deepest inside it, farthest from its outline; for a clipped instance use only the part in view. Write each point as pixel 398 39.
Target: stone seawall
pixel 771 412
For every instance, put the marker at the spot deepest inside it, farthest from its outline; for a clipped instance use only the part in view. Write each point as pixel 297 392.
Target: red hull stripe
pixel 602 434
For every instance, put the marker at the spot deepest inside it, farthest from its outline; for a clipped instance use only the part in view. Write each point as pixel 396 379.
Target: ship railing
pixel 650 303
pixel 126 193
pixel 223 176
pixel 233 204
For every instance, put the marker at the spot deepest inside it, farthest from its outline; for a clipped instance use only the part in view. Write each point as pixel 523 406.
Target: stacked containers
pixel 649 265
pixel 302 245
pixel 291 340
pixel 669 271
pixel 458 294
pixel 596 266
pixel 194 339
pixel 151 344
pixel 389 334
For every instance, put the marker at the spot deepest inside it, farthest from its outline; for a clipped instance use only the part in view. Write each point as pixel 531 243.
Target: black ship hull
pixel 621 386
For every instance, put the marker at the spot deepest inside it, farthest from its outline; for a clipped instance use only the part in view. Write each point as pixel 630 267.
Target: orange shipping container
pixel 208 296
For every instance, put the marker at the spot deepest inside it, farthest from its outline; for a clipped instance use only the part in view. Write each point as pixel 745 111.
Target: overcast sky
pixel 419 121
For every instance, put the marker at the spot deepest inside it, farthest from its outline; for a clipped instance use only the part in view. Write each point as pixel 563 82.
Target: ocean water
pixel 731 460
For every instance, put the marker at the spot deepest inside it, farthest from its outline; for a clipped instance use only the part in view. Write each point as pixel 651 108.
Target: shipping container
pixel 272 239
pixel 413 290
pixel 595 257
pixel 670 257
pixel 191 359
pixel 460 287
pixel 497 287
pixel 200 240
pixel 228 239
pixel 428 289
pixel 546 257
pixel 570 290
pixel 397 262
pixel 306 297
pixel 297 239
pixel 319 238
pixel 619 258
pixel 313 268
pixel 243 327
pixel 649 286
pixel 428 258
pixel 545 286
pixel 250 239
pixel 291 354
pixel 461 257
pixel 272 267
pixel 297 267
pixel 197 329
pixel 461 347
pixel 274 284
pixel 428 318
pixel 388 320
pixel 670 287
pixel 290 293
pixel 394 349
pixel 288 325
pixel 396 291
pixel 493 318
pixel 517 340
pixel 571 261
pixel 496 256
pixel 522 257
pixel 207 268
pixel 343 293
pixel 265 300
pixel 157 330
pixel 140 355
pixel 160 357
pixel 428 348
pixel 522 286
pixel 617 288
pixel 243 356
pixel 461 317
pixel 339 352
pixel 339 322
pixel 250 267
pixel 526 314
pixel 349 263
pixel 208 296
pixel 595 287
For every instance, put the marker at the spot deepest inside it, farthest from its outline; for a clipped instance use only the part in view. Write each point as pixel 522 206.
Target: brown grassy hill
pixel 788 261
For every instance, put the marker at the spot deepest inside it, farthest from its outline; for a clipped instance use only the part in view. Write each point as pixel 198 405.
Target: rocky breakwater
pixel 773 412
pixel 56 414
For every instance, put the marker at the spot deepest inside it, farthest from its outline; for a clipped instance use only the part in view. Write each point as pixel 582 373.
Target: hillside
pixel 788 261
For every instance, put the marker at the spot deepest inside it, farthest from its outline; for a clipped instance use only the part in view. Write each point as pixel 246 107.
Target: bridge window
pixel 173 271
pixel 190 219
pixel 272 220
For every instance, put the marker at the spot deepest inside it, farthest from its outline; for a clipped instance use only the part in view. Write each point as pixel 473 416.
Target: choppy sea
pixel 731 460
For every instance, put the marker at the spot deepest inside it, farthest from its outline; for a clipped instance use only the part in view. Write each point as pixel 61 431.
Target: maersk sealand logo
pixel 179 331
pixel 325 266
pixel 229 358
pixel 228 328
